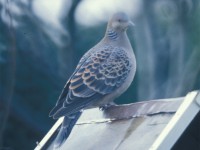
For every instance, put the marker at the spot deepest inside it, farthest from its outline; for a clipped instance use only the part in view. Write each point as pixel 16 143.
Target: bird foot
pixel 104 107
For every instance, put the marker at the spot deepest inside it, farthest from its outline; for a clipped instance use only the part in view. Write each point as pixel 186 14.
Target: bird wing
pixel 98 74
pixel 65 90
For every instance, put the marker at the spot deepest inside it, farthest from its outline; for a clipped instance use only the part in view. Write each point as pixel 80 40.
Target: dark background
pixel 36 58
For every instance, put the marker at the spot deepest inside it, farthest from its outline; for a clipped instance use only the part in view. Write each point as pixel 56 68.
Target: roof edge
pixel 180 121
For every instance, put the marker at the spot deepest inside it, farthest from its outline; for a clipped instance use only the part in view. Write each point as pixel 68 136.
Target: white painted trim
pixel 49 134
pixel 179 122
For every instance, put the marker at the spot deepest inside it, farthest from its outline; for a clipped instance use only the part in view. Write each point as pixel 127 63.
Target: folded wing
pixel 97 74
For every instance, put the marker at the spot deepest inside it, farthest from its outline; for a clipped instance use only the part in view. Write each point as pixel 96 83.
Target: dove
pixel 102 74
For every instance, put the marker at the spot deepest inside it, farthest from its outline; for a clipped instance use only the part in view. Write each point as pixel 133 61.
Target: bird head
pixel 120 22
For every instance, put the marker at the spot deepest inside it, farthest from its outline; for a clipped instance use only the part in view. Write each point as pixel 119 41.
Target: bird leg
pixel 104 107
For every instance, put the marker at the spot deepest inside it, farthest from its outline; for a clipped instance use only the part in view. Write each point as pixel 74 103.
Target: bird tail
pixel 66 128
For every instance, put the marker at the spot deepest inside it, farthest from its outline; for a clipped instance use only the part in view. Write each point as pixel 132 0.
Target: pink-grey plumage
pixel 102 74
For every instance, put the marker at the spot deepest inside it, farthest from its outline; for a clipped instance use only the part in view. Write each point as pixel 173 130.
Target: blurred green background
pixel 41 42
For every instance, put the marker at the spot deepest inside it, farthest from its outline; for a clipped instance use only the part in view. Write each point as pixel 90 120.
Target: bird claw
pixel 104 107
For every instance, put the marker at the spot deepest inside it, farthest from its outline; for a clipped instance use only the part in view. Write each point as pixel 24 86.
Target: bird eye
pixel 119 20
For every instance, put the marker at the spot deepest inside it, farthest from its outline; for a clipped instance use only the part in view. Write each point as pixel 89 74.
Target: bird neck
pixel 116 36
pixel 112 34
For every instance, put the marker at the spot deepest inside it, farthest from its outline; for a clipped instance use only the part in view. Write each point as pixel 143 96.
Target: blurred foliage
pixel 37 58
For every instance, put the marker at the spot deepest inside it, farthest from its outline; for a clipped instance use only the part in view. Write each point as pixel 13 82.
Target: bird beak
pixel 130 23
